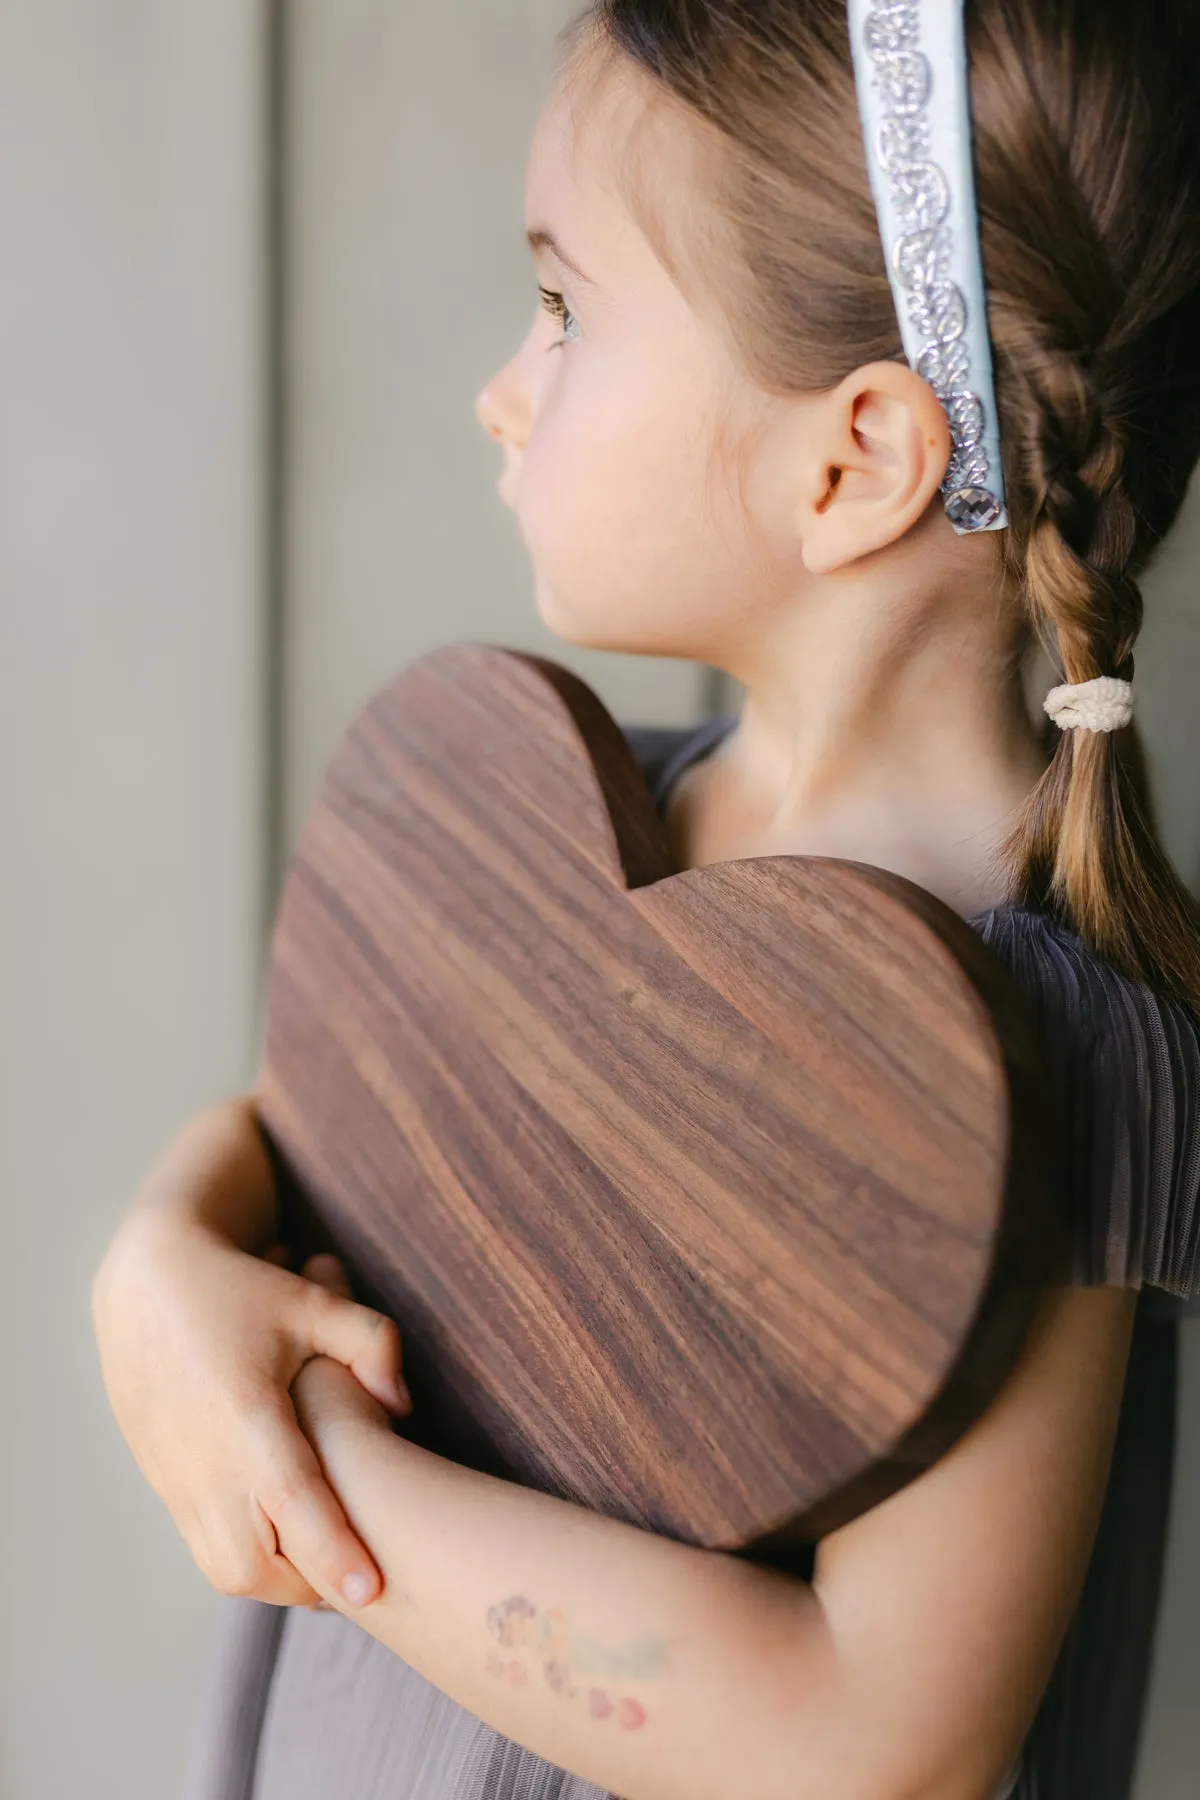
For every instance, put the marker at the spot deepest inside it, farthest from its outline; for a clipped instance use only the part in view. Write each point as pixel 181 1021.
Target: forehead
pixel 585 177
pixel 575 154
pixel 621 172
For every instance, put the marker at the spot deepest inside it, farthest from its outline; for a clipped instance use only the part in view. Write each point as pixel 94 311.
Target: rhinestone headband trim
pixel 910 65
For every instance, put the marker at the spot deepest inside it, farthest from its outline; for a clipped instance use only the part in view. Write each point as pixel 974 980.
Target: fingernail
pixel 356 1589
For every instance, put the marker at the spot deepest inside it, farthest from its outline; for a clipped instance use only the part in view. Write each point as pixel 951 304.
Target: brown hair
pixel 1086 131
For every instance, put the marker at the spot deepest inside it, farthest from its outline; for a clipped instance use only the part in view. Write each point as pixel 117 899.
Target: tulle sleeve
pixel 1125 1064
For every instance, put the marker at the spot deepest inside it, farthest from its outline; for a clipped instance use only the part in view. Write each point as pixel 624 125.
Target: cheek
pixel 629 547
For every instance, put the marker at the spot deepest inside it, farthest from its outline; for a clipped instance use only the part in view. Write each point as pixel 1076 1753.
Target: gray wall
pixel 137 608
pixel 130 775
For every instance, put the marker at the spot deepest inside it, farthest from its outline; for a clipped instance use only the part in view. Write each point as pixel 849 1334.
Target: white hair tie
pixel 1104 704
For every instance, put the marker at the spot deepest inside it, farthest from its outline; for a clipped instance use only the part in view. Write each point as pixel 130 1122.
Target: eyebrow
pixel 539 238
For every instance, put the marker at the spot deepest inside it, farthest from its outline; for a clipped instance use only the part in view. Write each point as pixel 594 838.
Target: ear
pixel 877 450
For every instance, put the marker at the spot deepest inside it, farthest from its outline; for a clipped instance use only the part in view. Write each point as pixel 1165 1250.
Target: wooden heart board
pixel 714 1200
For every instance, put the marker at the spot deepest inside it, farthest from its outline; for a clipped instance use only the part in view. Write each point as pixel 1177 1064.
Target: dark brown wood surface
pixel 714 1200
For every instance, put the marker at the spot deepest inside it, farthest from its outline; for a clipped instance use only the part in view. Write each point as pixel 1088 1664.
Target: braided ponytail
pixel 1086 848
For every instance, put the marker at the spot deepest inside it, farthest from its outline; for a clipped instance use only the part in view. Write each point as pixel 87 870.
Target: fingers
pixel 264 1530
pixel 367 1342
pixel 328 1272
pixel 364 1340
pixel 304 1512
pixel 238 1555
pixel 279 1583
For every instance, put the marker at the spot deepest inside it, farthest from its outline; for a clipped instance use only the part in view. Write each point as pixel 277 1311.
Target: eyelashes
pixel 556 306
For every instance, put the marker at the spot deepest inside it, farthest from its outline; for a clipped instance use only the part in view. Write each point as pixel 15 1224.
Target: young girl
pixel 716 447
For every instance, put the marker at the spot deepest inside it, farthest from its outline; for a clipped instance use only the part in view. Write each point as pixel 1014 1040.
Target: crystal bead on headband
pixel 910 67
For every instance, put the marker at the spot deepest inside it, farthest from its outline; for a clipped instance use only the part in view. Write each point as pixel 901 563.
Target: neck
pixel 885 729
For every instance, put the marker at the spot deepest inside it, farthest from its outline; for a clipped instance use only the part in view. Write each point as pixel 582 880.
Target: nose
pixel 502 410
pixel 485 412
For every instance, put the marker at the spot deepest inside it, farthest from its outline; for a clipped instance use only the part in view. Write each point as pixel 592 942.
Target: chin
pixel 593 634
pixel 558 619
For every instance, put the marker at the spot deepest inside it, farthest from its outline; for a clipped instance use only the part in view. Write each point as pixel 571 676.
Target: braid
pixel 1086 848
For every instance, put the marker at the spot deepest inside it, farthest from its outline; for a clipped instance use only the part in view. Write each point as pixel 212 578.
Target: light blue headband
pixel 910 66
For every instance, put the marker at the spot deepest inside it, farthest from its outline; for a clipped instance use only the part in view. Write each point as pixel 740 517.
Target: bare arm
pixel 909 1670
pixel 949 1603
pixel 216 1173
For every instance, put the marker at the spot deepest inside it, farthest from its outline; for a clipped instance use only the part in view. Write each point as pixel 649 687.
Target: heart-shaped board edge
pixel 519 697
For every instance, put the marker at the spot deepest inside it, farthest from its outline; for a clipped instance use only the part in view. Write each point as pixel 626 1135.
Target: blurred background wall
pixel 260 260
pixel 132 759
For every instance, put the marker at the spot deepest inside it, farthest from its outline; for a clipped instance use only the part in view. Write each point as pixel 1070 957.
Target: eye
pixel 557 307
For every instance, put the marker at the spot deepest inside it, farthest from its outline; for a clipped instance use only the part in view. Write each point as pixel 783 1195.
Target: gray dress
pixel 303 1705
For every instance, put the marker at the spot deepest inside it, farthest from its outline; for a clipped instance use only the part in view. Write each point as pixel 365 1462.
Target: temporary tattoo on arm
pixel 516 1624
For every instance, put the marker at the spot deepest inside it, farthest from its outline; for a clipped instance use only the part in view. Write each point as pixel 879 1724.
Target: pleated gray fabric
pixel 1128 1070
pixel 306 1706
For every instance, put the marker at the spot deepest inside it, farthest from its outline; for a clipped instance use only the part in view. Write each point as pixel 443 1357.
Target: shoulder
pixel 657 746
pixel 1126 1066
pixel 664 751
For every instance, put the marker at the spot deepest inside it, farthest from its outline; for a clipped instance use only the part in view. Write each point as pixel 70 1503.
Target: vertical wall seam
pixel 271 646
pixel 275 308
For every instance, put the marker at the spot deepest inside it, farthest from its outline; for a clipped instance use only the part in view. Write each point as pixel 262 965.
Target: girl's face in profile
pixel 621 413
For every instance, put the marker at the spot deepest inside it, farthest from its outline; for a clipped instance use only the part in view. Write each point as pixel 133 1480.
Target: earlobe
pixel 882 448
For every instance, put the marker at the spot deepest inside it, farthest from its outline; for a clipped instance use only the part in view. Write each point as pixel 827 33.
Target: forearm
pixel 215 1173
pixel 655 1670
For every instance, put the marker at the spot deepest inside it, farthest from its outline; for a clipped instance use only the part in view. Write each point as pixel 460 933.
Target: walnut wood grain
pixel 714 1200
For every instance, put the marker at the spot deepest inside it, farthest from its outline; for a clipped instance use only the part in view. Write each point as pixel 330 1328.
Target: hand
pixel 199 1345
pixel 326 1398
